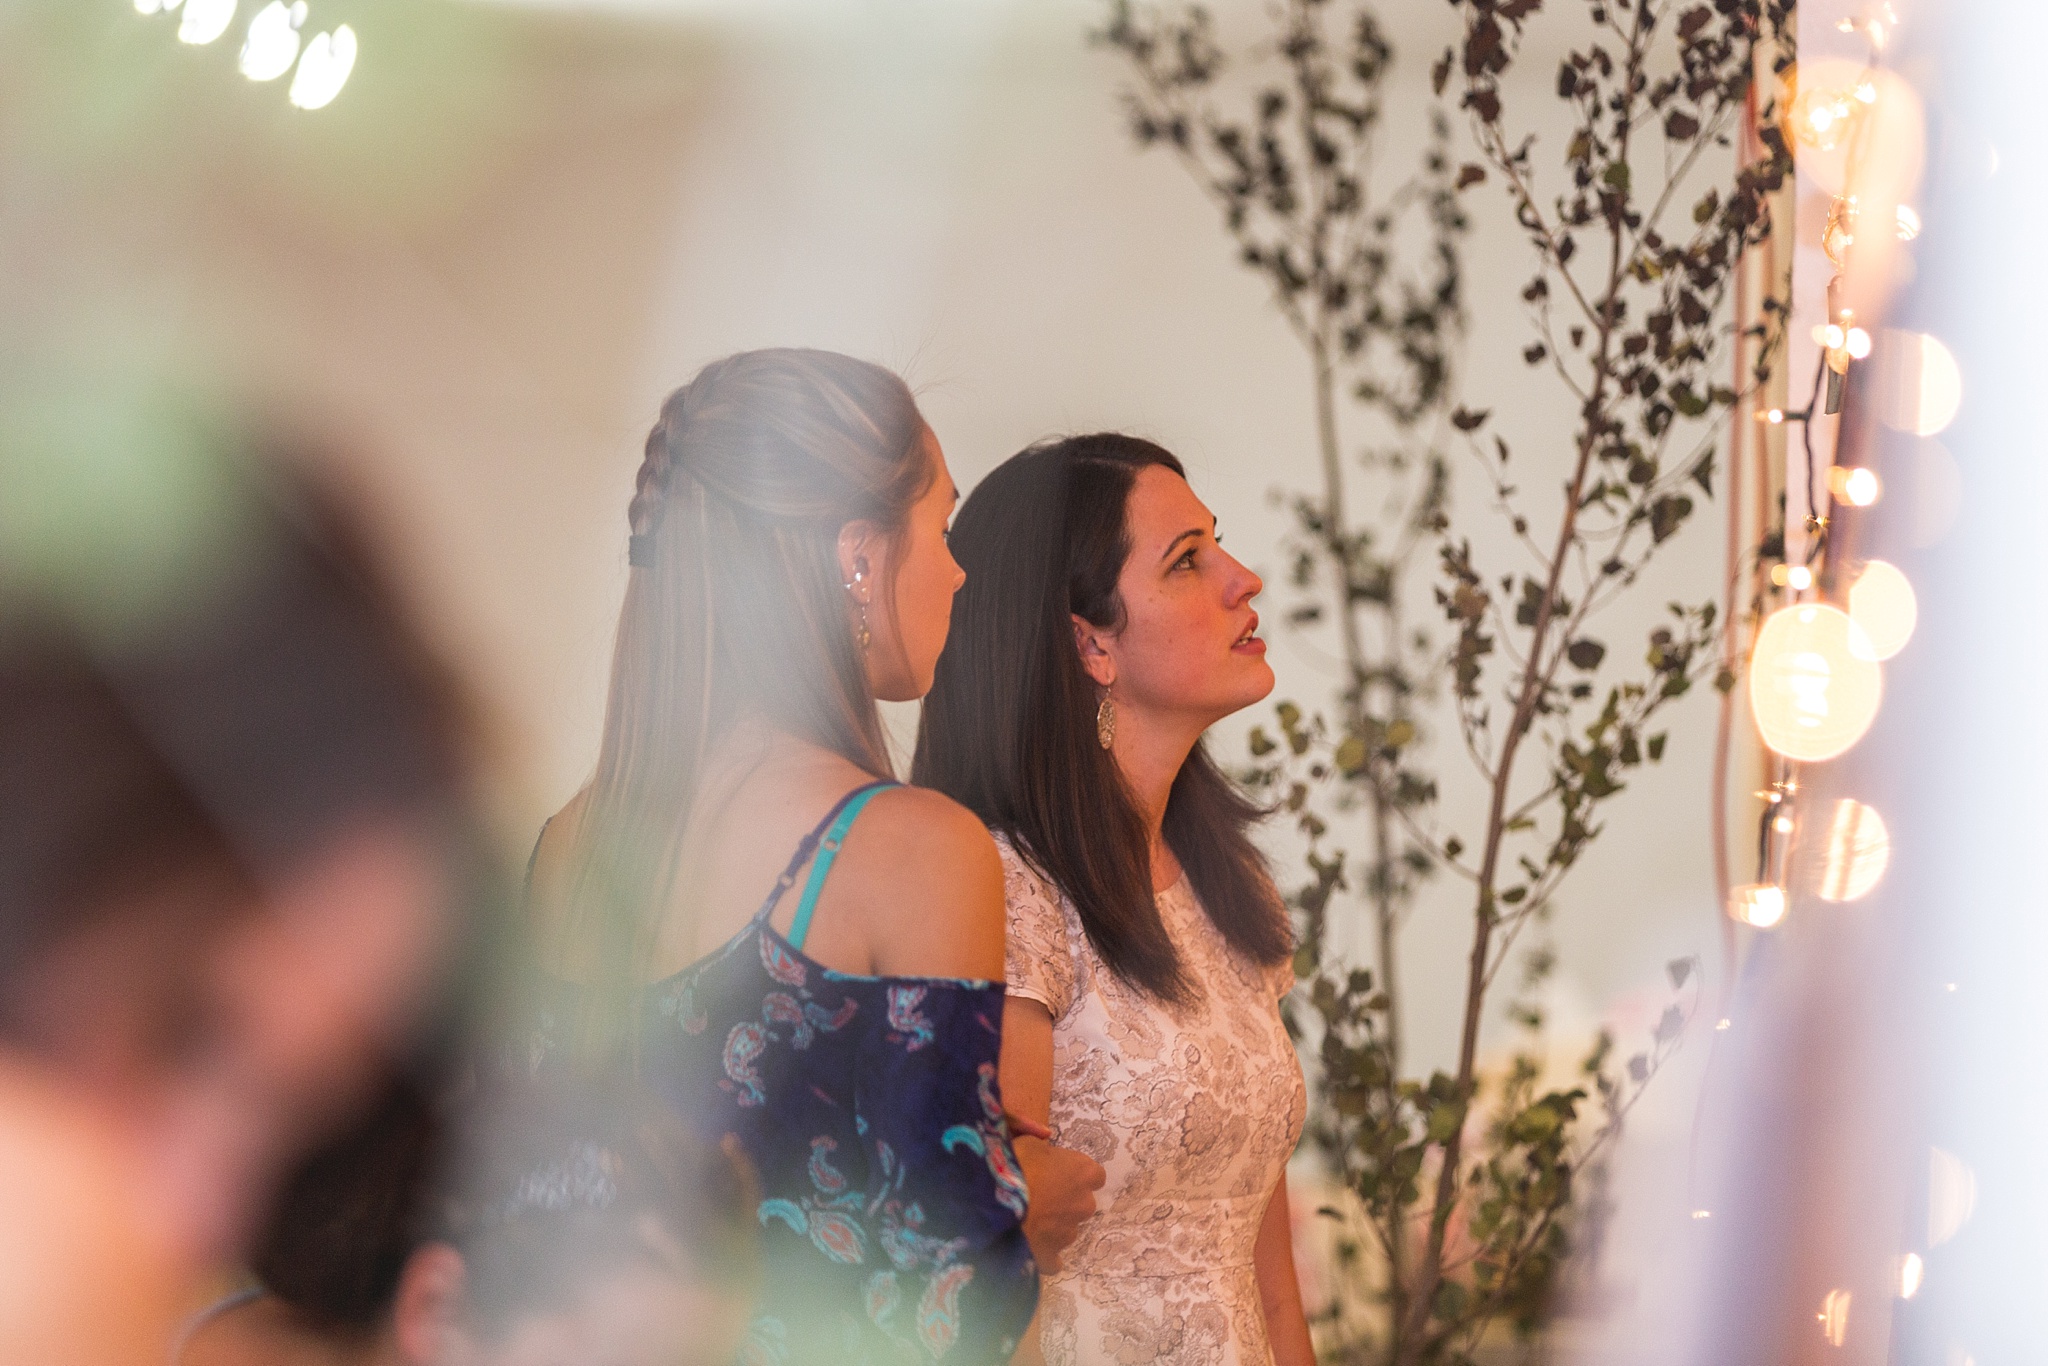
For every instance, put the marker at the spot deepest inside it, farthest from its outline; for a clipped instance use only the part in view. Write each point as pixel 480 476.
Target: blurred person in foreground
pixel 1103 631
pixel 793 947
pixel 230 822
pixel 570 1228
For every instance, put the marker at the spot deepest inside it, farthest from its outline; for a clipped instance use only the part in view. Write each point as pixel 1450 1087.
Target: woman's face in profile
pixel 910 631
pixel 1189 647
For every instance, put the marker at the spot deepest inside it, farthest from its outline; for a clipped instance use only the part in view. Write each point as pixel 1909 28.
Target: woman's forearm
pixel 1279 1288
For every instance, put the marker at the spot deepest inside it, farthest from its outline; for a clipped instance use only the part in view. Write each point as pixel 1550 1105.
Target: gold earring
pixel 1105 721
pixel 861 637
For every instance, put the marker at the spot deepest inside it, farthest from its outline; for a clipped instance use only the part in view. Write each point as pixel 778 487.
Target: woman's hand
pixel 1063 1183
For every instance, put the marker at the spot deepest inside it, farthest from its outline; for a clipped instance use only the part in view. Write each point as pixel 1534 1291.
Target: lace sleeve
pixel 1039 960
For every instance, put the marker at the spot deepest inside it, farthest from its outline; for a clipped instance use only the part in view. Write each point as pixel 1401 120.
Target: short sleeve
pixel 1039 959
pixel 1280 978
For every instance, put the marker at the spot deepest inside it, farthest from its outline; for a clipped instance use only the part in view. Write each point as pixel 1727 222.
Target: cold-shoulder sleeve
pixel 1038 957
pixel 944 1213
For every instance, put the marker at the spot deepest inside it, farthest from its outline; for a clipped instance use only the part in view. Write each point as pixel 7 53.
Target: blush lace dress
pixel 1193 1113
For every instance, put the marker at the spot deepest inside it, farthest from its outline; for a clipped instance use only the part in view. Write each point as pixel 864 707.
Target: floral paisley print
pixel 892 1205
pixel 1193 1113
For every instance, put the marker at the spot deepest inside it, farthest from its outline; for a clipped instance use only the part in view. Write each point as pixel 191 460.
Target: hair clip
pixel 640 549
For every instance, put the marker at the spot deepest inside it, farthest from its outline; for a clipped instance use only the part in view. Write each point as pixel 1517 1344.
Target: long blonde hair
pixel 737 606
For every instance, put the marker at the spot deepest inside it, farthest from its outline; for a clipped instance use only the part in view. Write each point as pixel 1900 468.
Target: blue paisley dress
pixel 892 1203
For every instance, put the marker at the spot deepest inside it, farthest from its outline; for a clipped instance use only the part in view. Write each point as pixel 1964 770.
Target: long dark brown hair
pixel 1009 727
pixel 736 607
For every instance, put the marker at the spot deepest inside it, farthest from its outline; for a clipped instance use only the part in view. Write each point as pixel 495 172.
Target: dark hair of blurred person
pixel 789 569
pixel 545 1226
pixel 229 816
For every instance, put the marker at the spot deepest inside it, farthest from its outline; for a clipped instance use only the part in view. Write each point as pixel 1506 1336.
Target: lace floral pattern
pixel 1192 1112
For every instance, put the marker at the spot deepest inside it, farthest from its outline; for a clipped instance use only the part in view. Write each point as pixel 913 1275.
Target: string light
pixel 1820 118
pixel 1854 485
pixel 1884 607
pixel 1813 692
pixel 1761 904
pixel 272 44
pixel 1796 577
pixel 1909 223
pixel 1859 848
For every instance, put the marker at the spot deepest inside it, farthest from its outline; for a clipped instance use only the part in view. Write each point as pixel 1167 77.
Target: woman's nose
pixel 1244 584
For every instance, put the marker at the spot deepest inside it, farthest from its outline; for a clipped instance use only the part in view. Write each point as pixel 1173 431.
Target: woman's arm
pixel 1063 1182
pixel 1279 1290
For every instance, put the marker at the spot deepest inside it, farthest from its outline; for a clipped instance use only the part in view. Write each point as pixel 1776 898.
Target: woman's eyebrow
pixel 1174 544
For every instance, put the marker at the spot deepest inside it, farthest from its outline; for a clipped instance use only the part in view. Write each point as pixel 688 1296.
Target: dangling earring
pixel 860 573
pixel 1105 721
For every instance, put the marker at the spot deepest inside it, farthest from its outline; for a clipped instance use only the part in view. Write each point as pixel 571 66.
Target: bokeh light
pixel 1761 905
pixel 1912 1273
pixel 1812 687
pixel 205 20
pixel 273 41
pixel 1922 384
pixel 1951 1196
pixel 1858 850
pixel 1834 1317
pixel 325 68
pixel 1883 604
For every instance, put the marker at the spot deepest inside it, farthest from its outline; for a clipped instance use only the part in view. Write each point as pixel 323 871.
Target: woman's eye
pixel 1186 561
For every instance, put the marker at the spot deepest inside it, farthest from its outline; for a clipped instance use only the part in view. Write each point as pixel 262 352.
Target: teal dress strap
pixel 828 850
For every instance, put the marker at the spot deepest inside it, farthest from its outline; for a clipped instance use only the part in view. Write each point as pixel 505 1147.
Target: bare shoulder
pixel 547 887
pixel 927 875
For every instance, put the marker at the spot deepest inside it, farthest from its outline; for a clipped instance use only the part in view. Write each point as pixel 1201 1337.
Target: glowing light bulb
pixel 1812 688
pixel 1858 343
pixel 1854 485
pixel 1866 93
pixel 1760 904
pixel 205 20
pixel 1858 850
pixel 1912 1271
pixel 1820 118
pixel 1923 384
pixel 1834 1317
pixel 324 68
pixel 1909 224
pixel 1796 577
pixel 1832 337
pixel 1883 604
pixel 1951 1196
pixel 273 42
pixel 155 6
pixel 1774 416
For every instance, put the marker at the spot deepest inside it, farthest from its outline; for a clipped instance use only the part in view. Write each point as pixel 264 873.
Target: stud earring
pixel 1105 721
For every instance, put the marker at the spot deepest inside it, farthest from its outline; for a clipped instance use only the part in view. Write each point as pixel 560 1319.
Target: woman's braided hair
pixel 736 606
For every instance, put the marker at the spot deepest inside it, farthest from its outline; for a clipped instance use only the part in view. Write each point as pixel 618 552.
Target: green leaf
pixel 1679 969
pixel 1465 420
pixel 1351 756
pixel 1656 746
pixel 1616 177
pixel 1585 654
pixel 1261 743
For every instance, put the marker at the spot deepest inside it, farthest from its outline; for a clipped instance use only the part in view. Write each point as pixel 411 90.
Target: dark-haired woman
pixel 1102 631
pixel 791 947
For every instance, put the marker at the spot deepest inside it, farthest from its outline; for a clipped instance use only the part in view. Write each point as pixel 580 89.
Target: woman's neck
pixel 1149 753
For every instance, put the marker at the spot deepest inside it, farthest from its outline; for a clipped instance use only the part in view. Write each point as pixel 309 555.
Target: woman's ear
pixel 1092 643
pixel 426 1316
pixel 861 546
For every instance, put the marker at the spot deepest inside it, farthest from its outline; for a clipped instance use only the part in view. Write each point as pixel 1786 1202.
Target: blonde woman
pixel 796 950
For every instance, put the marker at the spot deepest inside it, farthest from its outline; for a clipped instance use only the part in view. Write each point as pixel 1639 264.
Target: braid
pixel 657 466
